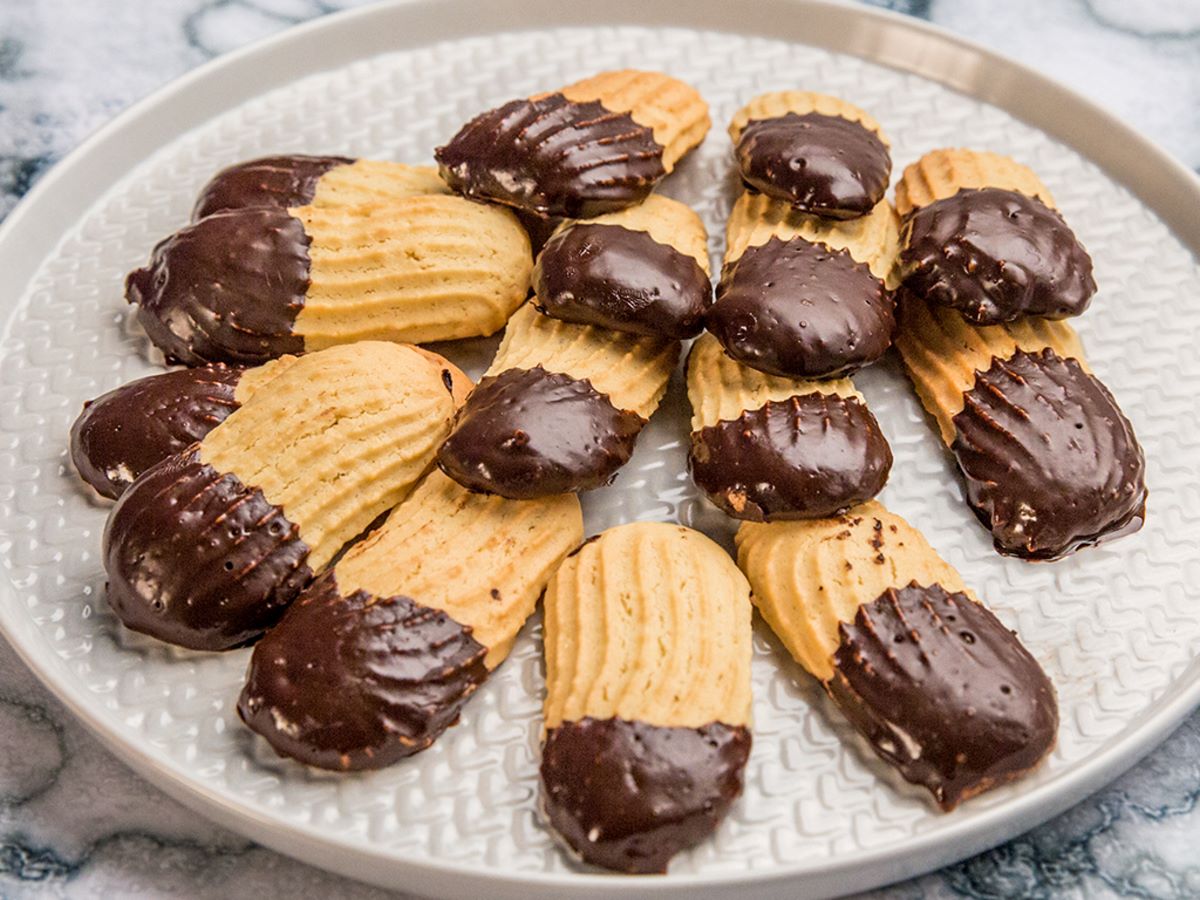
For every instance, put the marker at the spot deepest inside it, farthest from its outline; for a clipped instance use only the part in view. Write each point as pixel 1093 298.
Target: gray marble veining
pixel 75 822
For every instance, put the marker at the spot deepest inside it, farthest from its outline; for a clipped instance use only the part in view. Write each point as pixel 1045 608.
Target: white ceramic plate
pixel 1117 627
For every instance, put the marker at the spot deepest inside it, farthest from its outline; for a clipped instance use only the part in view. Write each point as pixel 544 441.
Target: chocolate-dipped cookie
pixel 766 448
pixel 207 548
pixel 818 153
pixel 121 434
pixel 802 297
pixel 643 270
pixel 593 147
pixel 644 751
pixel 1049 461
pixel 559 409
pixel 246 285
pixel 937 685
pixel 377 657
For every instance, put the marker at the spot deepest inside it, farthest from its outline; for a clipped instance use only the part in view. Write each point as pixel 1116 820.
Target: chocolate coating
pixel 994 255
pixel 277 181
pixel 553 157
pixel 943 691
pixel 629 796
pixel 806 457
pixel 121 434
pixel 824 165
pixel 225 289
pixel 197 558
pixel 621 279
pixel 802 310
pixel 359 682
pixel 1050 462
pixel 529 433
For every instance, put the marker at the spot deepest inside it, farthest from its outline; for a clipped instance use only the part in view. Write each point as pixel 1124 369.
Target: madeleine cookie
pixel 767 448
pixel 647 713
pixel 643 270
pixel 981 236
pixel 559 410
pixel 324 181
pixel 121 434
pixel 802 297
pixel 208 547
pixel 246 285
pixel 818 153
pixel 376 659
pixel 593 147
pixel 1049 461
pixel 928 675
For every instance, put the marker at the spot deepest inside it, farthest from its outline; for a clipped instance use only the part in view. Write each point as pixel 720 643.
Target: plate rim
pixel 1162 183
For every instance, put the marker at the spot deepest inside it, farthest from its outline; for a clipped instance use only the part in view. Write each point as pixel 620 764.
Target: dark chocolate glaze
pixel 824 165
pixel 197 558
pixel 539 228
pixel 359 682
pixel 806 457
pixel 225 289
pixel 802 310
pixel 124 432
pixel 278 181
pixel 621 279
pixel 629 796
pixel 1050 462
pixel 943 691
pixel 529 433
pixel 553 157
pixel 995 255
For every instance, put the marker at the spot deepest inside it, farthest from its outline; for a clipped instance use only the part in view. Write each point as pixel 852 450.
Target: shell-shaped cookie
pixel 942 352
pixel 367 181
pixel 943 173
pixel 873 239
pixel 774 104
pixel 668 222
pixel 421 269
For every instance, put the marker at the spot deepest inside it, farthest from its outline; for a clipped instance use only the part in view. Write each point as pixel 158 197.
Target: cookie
pixel 121 434
pixel 802 297
pixel 246 285
pixel 818 153
pixel 766 448
pixel 208 547
pixel 980 236
pixel 643 270
pixel 937 685
pixel 1049 461
pixel 593 147
pixel 325 181
pixel 647 712
pixel 559 409
pixel 377 657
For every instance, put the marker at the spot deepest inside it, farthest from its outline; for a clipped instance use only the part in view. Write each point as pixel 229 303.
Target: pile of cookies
pixel 380 529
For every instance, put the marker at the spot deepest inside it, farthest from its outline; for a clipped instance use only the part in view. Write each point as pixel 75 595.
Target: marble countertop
pixel 75 822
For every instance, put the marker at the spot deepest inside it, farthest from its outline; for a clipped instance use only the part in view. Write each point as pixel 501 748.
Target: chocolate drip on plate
pixel 995 255
pixel 629 796
pixel 554 157
pixel 225 289
pixel 824 165
pixel 529 433
pixel 197 558
pixel 810 456
pixel 276 181
pixel 621 279
pixel 124 432
pixel 359 682
pixel 1050 462
pixel 943 691
pixel 801 310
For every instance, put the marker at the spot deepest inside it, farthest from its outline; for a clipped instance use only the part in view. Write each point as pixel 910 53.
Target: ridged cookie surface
pixel 667 221
pixel 943 173
pixel 774 104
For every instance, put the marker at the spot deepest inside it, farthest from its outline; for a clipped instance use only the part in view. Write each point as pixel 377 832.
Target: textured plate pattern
pixel 1114 627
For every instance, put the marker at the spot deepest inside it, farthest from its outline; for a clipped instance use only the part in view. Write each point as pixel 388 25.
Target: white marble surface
pixel 74 822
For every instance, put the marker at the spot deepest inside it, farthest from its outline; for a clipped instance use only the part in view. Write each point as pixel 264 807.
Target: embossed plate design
pixel 1118 628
